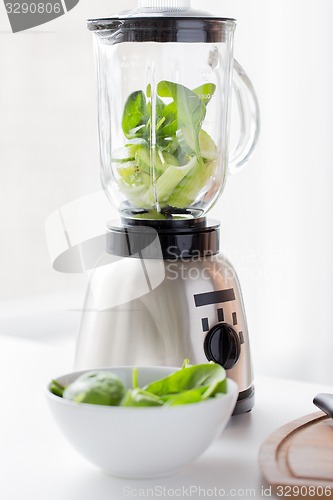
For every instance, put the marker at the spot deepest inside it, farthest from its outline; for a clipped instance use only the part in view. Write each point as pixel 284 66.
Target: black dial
pixel 222 345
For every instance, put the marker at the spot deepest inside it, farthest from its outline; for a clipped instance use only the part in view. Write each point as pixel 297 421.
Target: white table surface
pixel 37 463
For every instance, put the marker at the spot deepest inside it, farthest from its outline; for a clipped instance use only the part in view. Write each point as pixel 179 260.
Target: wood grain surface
pixel 300 454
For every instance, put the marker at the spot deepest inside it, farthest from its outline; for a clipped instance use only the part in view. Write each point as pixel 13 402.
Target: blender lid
pixel 163 21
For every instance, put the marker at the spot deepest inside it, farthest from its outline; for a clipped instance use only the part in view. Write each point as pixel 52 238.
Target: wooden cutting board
pixel 300 454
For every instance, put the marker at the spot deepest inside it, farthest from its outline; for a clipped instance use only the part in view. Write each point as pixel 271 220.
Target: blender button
pixel 220 314
pixel 205 325
pixel 241 337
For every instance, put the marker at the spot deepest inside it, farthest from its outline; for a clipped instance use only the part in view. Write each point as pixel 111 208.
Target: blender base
pixel 245 401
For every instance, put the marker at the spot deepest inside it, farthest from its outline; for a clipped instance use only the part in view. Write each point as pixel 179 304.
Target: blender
pixel 163 291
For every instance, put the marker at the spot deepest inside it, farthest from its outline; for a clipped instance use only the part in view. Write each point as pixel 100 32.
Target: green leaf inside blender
pixel 173 162
pixel 134 116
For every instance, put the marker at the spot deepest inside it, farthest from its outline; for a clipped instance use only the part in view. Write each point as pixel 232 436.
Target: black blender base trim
pixel 245 401
pixel 166 239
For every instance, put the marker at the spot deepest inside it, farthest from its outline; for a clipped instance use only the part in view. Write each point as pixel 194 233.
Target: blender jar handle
pixel 250 119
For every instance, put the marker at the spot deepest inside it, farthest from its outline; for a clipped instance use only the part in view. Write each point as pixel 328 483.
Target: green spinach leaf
pixel 205 92
pixel 190 109
pixel 211 377
pixel 135 115
pixel 183 398
pixel 57 388
pixel 96 387
pixel 139 397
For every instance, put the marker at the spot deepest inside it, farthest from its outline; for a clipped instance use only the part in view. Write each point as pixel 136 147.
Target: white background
pixel 275 215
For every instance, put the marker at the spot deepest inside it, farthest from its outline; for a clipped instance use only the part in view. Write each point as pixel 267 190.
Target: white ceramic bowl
pixel 141 442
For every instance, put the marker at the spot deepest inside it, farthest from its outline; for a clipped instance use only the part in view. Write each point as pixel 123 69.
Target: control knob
pixel 222 345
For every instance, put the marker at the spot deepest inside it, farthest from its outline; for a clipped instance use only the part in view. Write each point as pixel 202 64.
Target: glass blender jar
pixel 165 75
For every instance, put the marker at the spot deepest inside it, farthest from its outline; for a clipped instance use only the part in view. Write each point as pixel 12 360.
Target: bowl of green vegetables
pixel 142 422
